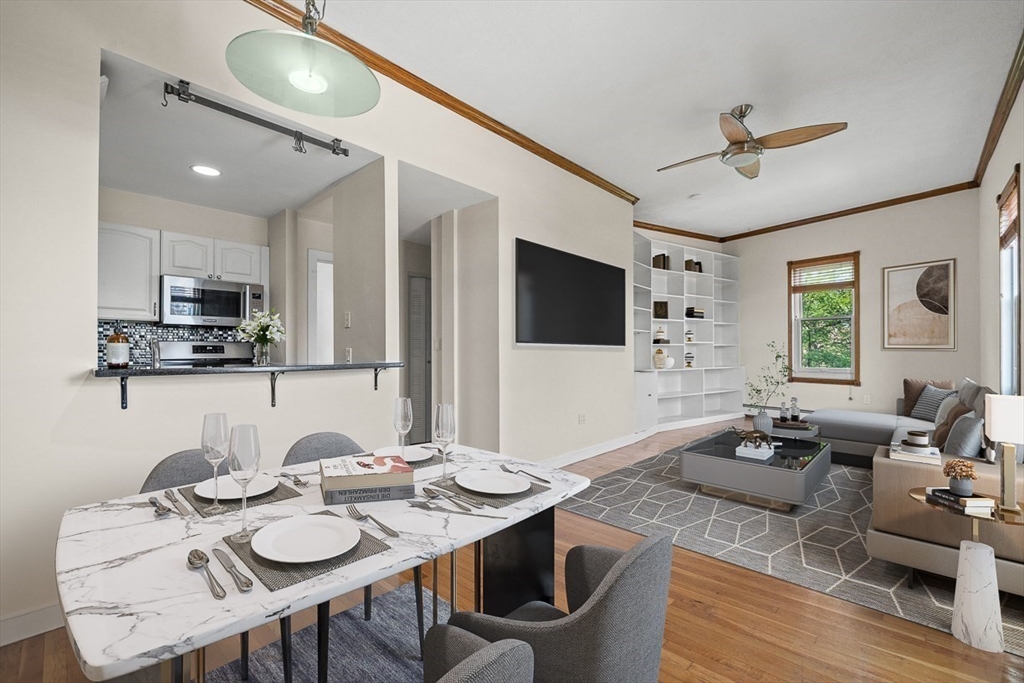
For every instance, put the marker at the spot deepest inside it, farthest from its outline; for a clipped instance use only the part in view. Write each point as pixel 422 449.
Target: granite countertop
pixel 147 371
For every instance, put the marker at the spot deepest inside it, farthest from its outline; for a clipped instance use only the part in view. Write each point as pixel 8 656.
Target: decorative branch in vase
pixel 262 329
pixel 774 376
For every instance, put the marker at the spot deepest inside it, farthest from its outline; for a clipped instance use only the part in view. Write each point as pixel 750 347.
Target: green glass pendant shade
pixel 303 72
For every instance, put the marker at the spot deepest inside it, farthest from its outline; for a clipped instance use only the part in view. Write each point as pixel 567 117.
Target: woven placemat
pixel 202 505
pixel 433 460
pixel 278 575
pixel 494 501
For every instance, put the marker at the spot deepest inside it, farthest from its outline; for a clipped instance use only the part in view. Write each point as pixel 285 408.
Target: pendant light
pixel 303 72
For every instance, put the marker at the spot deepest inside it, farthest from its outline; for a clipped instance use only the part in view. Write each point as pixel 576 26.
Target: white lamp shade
pixel 1004 418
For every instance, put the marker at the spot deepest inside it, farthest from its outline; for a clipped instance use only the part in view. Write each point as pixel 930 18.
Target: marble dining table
pixel 130 601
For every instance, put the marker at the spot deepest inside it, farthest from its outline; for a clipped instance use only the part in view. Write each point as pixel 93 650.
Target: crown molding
pixel 1014 78
pixel 676 231
pixel 291 15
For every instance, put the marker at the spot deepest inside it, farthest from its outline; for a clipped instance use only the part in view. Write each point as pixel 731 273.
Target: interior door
pixel 320 308
pixel 419 357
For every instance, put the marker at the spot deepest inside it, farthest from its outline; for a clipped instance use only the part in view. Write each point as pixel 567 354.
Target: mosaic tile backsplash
pixel 140 334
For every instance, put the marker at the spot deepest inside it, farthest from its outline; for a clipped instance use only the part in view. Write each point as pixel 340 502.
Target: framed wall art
pixel 919 307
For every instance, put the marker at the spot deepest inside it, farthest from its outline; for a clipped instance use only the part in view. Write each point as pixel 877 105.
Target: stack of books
pixel 932 457
pixel 975 504
pixel 365 479
pixel 692 312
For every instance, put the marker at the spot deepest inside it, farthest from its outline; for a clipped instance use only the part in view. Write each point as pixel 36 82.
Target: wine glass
pixel 244 465
pixel 401 418
pixel 444 432
pixel 215 449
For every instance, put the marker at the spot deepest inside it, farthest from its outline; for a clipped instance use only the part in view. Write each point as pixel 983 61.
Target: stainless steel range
pixel 202 354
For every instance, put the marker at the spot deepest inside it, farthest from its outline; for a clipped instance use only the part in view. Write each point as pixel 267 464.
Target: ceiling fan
pixel 744 150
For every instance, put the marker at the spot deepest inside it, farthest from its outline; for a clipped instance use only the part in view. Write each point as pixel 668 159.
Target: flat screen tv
pixel 562 298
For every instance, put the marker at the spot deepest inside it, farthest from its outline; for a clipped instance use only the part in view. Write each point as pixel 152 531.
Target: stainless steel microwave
pixel 198 301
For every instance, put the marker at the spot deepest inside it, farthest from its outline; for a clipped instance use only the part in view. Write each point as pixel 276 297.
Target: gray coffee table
pixel 788 478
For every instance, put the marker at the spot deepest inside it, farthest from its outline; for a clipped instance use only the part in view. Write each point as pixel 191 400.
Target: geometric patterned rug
pixel 819 545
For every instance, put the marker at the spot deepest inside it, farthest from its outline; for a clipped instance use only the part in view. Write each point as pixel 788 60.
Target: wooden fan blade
pixel 750 170
pixel 689 161
pixel 733 130
pixel 798 136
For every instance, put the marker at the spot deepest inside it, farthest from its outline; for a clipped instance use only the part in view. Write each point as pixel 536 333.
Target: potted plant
pixel 961 476
pixel 262 329
pixel 760 391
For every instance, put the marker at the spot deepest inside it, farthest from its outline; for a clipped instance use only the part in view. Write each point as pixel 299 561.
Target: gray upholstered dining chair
pixel 181 469
pixel 616 620
pixel 452 655
pixel 318 446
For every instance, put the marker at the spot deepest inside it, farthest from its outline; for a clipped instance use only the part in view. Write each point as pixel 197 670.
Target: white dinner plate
pixel 494 483
pixel 230 490
pixel 309 538
pixel 412 453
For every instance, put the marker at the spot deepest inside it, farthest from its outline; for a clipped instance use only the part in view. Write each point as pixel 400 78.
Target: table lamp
pixel 1004 423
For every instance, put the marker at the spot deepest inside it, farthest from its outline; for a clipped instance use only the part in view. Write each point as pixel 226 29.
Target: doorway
pixel 320 308
pixel 419 357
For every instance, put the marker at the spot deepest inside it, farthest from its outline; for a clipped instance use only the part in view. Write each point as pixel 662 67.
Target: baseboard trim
pixel 30 622
pixel 597 449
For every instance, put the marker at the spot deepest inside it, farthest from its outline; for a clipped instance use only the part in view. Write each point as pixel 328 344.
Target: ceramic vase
pixel 763 423
pixel 961 487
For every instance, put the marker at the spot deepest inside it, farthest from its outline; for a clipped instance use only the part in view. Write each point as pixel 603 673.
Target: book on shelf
pixel 973 500
pixel 370 494
pixel 364 471
pixel 926 458
pixel 975 511
pixel 660 261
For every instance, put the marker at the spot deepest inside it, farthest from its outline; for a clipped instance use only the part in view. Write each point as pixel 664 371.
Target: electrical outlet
pixel 348 318
pixel 437 344
pixel 348 355
pixel 583 418
pixel 867 399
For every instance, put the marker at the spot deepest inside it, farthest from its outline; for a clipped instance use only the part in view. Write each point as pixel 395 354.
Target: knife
pixel 177 503
pixel 243 582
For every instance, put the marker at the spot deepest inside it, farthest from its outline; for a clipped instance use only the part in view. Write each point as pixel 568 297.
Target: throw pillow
pixel 946 406
pixel 965 437
pixel 912 389
pixel 941 432
pixel 928 403
pixel 968 391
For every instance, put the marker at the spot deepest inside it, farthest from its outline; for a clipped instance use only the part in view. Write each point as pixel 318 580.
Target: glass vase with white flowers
pixel 262 329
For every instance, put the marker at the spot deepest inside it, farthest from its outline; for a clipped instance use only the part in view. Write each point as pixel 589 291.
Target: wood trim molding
pixel 292 16
pixel 938 192
pixel 1014 78
pixel 676 231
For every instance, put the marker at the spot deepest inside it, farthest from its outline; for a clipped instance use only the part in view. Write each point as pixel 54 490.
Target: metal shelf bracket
pixel 376 371
pixel 124 393
pixel 273 388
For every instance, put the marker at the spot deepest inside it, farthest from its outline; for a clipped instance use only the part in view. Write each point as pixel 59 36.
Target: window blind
pixel 1009 213
pixel 832 272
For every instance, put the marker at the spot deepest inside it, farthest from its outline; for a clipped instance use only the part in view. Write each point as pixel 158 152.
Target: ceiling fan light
pixel 741 154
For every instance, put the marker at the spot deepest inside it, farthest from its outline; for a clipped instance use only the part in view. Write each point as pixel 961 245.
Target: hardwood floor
pixel 724 623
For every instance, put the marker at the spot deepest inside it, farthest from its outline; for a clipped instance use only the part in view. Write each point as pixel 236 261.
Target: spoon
pixel 161 509
pixel 197 559
pixel 431 493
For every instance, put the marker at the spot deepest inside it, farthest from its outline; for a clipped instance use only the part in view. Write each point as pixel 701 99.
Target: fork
pixel 301 483
pixel 529 474
pixel 354 513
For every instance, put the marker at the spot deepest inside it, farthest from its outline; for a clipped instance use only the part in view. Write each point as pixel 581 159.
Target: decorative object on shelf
pixel 754 438
pixel 693 266
pixel 692 312
pixel 689 335
pixel 688 359
pixel 765 386
pixel 794 410
pixel 670 363
pixel 1004 424
pixel 659 336
pixel 920 306
pixel 303 72
pixel 784 413
pixel 659 359
pixel 660 261
pixel 262 329
pixel 661 310
pixel 961 476
pixel 118 349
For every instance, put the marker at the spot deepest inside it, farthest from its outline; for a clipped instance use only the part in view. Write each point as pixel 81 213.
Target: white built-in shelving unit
pixel 712 389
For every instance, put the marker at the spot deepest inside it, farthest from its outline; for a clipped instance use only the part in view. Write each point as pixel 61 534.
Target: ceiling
pixel 626 88
pixel 148 148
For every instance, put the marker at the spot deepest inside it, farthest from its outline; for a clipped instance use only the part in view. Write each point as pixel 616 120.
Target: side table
pixel 977 618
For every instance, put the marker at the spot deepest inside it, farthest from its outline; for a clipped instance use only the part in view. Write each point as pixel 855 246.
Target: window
pixel 824 338
pixel 1009 286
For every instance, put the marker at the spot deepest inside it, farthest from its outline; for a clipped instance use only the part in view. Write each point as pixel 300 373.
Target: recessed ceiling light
pixel 205 170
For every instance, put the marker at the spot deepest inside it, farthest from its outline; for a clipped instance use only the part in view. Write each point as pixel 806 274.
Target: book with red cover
pixel 364 471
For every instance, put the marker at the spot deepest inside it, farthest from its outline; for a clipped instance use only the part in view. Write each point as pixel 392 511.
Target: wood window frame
pixel 1004 239
pixel 824 260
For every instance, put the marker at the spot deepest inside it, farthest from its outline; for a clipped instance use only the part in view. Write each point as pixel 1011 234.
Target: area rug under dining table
pixel 818 545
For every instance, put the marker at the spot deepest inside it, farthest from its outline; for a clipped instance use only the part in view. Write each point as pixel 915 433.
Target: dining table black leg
pixel 434 574
pixel 286 647
pixel 243 660
pixel 178 669
pixel 367 602
pixel 417 575
pixel 323 639
pixel 519 564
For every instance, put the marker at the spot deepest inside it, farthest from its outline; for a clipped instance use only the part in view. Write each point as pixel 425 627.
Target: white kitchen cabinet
pixel 129 272
pixel 645 401
pixel 208 258
pixel 186 255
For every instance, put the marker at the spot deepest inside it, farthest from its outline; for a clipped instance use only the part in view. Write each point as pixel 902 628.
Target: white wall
pixel 1008 152
pixel 56 418
pixel 413 259
pixel 932 229
pixel 282 231
pixel 119 206
pixel 706 245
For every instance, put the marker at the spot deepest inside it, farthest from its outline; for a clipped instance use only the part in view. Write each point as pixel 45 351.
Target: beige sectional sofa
pixel 912 534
